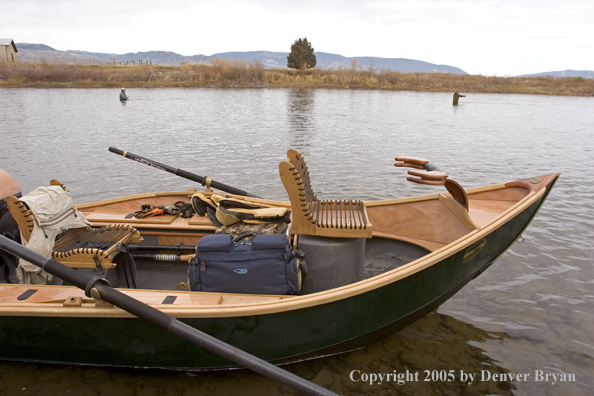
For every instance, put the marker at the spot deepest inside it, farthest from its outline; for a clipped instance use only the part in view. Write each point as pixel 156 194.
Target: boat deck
pixel 68 301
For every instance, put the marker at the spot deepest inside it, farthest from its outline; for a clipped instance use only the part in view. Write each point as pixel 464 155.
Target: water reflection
pixel 300 106
pixel 435 343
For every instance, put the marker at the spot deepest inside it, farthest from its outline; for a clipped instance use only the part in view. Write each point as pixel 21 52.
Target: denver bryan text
pixel 539 376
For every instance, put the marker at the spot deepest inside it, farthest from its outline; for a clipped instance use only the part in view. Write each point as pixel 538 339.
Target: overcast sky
pixel 503 38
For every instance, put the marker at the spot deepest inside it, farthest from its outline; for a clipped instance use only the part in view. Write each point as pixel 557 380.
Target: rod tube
pixel 161 319
pixel 180 172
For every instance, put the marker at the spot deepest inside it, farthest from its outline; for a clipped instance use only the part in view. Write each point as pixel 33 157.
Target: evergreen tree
pixel 302 55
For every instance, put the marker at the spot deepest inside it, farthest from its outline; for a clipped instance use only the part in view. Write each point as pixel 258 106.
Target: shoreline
pixel 237 74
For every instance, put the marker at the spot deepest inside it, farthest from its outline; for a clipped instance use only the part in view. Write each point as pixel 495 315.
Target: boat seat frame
pixel 312 216
pixel 89 247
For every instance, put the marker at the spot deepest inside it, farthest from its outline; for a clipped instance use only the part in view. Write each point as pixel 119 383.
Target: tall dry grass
pixel 236 73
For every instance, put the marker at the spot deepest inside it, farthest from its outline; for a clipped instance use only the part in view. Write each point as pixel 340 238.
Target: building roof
pixel 8 42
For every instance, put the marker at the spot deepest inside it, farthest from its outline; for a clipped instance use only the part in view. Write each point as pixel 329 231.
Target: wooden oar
pixel 433 176
pixel 99 289
pixel 205 181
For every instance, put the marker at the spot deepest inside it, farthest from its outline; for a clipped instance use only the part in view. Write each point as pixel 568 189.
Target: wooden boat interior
pixel 404 230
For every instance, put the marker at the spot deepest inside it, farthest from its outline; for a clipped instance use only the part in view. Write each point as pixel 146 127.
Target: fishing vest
pixel 225 211
pixel 54 212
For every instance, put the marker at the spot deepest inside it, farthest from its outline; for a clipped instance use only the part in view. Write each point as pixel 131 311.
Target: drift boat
pixel 374 268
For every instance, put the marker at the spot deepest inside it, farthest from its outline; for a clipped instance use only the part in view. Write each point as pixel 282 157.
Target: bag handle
pixel 242 236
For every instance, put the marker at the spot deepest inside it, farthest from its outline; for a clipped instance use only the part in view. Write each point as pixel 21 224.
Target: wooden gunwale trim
pixel 302 302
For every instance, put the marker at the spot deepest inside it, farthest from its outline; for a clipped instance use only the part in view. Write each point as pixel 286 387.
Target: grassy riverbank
pixel 237 74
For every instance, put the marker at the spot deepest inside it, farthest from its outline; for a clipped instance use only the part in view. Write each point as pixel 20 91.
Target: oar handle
pixel 180 172
pixel 99 289
pixel 415 163
pixel 432 176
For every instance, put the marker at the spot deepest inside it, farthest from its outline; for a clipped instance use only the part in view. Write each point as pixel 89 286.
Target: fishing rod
pixel 99 289
pixel 205 181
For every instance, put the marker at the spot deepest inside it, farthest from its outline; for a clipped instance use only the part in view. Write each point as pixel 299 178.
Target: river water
pixel 531 313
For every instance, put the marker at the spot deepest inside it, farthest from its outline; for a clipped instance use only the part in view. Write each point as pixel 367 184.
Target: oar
pixel 99 289
pixel 182 173
pixel 432 176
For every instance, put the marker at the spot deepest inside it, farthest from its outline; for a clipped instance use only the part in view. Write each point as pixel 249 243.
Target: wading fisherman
pixel 456 97
pixel 123 96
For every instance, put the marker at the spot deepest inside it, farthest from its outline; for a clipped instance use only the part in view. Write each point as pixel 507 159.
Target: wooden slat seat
pixel 88 247
pixel 311 216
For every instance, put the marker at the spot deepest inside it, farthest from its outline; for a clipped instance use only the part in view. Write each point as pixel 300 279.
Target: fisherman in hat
pixel 123 96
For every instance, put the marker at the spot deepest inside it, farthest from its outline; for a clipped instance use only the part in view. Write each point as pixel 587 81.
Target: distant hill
pixel 269 59
pixel 35 52
pixel 156 57
pixel 563 73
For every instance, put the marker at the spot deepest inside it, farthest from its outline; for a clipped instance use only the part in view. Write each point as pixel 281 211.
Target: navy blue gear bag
pixel 264 265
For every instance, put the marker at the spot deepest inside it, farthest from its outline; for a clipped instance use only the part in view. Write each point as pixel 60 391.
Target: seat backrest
pixel 297 160
pixel 22 215
pixel 295 177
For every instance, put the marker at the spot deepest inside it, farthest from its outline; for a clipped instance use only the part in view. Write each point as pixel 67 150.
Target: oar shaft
pixel 95 288
pixel 180 172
